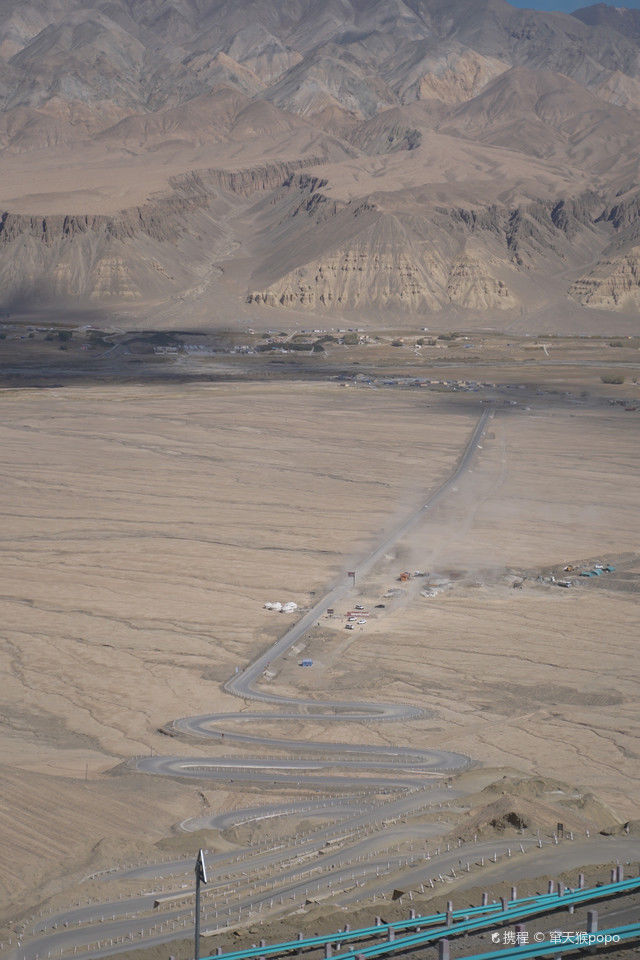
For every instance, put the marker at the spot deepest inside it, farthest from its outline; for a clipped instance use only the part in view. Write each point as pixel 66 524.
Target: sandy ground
pixel 143 529
pixel 541 678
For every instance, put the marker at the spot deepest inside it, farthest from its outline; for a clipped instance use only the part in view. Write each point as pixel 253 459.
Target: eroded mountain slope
pixel 467 151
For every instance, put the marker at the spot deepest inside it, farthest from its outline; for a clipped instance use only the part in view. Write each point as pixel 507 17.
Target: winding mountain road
pixel 362 846
pixel 393 767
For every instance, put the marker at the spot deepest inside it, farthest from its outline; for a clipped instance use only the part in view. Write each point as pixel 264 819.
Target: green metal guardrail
pixel 463 921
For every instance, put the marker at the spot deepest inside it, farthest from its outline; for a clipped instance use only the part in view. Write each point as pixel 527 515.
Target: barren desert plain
pixel 319 360
pixel 147 522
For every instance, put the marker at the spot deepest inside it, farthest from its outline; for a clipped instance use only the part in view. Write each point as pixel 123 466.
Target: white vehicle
pixel 362 621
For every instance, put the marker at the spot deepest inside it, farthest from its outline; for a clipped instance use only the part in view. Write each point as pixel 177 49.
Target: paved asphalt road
pixel 242 683
pixel 350 848
pixel 364 826
pixel 406 764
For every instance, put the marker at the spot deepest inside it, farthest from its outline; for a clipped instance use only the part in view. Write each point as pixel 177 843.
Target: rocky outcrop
pixel 244 182
pixel 131 254
pixel 379 266
pixel 532 229
pixel 620 89
pixel 160 221
pixel 390 262
pixel 624 217
pixel 354 278
pixel 470 285
pixel 390 139
pixel 360 277
pixel 614 284
pixel 459 78
pixel 257 50
pixel 353 255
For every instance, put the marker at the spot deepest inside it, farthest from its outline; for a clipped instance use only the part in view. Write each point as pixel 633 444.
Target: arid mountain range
pixel 178 162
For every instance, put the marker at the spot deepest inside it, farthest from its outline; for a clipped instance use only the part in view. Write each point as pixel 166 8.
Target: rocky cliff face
pixel 142 252
pixel 359 276
pixel 415 156
pixel 312 251
pixel 400 261
pixel 160 221
pixel 458 78
pixel 470 285
pixel 243 183
pixel 613 285
pixel 422 258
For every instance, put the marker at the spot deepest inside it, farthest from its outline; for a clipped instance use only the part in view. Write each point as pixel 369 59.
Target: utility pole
pixel 201 877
